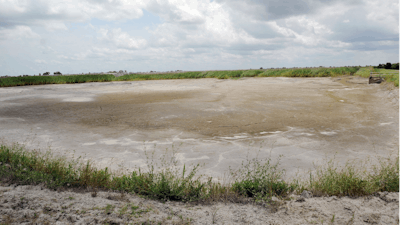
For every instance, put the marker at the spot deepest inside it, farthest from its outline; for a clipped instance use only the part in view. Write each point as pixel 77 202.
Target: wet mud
pixel 338 114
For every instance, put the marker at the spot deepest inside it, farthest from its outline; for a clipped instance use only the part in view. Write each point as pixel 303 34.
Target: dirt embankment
pixel 35 205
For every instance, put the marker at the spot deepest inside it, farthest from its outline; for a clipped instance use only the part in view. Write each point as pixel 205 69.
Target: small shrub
pixel 260 178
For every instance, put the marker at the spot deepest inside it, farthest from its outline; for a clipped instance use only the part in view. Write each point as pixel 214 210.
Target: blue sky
pixel 78 36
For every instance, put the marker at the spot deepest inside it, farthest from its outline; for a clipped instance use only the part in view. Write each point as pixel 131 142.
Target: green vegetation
pixel 390 75
pixel 331 179
pixel 364 71
pixel 259 179
pixel 37 80
pixel 311 72
pixel 393 78
pixel 386 71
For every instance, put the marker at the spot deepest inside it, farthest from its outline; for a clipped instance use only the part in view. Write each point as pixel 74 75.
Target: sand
pixel 35 205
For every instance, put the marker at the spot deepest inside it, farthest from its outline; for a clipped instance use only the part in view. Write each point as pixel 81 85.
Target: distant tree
pixel 395 66
pixel 261 68
pixel 388 65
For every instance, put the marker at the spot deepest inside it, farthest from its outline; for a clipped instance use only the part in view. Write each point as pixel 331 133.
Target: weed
pixel 214 214
pixel 123 210
pixel 256 178
pixel 109 208
pixel 260 178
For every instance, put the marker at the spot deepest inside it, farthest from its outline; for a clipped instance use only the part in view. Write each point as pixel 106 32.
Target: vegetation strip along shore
pixel 304 72
pixel 259 179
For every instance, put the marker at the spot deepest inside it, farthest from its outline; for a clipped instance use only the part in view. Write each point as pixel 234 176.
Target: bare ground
pixel 37 205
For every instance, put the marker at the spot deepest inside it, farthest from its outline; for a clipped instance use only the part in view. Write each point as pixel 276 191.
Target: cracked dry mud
pixel 34 205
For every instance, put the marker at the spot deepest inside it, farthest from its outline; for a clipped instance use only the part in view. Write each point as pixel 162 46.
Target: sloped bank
pixel 37 205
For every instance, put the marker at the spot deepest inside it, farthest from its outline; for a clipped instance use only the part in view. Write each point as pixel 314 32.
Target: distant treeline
pixel 301 72
pixel 394 66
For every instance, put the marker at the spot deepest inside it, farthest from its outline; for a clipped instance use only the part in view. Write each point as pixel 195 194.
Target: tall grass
pixel 349 180
pixel 393 78
pixel 37 80
pixel 258 179
pixel 364 72
pixel 314 72
pixel 310 72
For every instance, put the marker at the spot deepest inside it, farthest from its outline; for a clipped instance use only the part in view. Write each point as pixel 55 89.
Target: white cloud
pixel 55 25
pixel 388 43
pixel 307 25
pixel 41 61
pixel 178 11
pixel 9 7
pixel 386 13
pixel 198 34
pixel 18 32
pixel 122 39
pixel 53 14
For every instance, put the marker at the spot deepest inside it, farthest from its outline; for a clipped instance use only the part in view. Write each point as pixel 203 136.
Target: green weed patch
pixel 258 179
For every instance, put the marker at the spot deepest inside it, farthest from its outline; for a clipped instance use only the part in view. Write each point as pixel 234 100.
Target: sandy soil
pixel 35 205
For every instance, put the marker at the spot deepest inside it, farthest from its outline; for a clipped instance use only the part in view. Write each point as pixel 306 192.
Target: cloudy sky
pixel 75 36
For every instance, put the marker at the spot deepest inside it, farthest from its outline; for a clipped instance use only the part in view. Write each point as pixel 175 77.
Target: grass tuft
pixel 259 179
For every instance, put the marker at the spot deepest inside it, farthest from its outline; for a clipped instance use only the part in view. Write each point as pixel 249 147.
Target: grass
pixel 364 72
pixel 386 71
pixel 348 180
pixel 311 72
pixel 38 80
pixel 258 179
pixel 391 76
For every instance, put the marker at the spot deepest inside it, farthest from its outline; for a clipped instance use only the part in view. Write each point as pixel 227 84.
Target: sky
pixel 81 36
